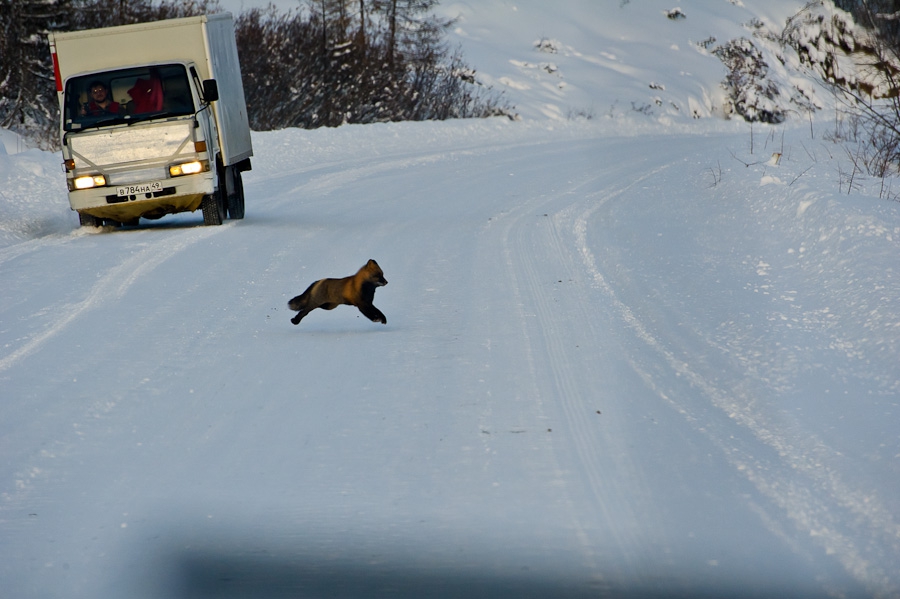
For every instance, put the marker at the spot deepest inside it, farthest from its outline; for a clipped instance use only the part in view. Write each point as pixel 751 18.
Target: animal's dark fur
pixel 356 290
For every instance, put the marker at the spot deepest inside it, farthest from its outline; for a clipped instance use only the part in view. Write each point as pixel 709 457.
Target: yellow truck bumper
pixel 183 194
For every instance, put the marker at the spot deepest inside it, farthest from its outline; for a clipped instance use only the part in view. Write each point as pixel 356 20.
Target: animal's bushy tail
pixel 295 304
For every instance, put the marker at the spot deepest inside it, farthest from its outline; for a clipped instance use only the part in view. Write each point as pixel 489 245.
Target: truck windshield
pixel 127 95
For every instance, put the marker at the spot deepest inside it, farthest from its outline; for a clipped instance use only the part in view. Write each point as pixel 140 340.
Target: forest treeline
pixel 326 63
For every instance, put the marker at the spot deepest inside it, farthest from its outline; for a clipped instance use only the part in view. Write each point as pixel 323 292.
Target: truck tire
pixel 236 198
pixel 86 220
pixel 213 208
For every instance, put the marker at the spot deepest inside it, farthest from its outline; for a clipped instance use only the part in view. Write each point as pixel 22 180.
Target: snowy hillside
pixel 637 354
pixel 605 59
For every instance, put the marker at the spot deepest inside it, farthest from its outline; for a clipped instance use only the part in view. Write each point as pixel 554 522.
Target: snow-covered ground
pixel 625 355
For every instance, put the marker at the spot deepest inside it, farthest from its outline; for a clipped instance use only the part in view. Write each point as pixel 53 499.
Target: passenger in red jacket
pixel 147 95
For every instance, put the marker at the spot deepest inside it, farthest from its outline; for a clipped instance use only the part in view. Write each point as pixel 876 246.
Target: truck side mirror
pixel 210 90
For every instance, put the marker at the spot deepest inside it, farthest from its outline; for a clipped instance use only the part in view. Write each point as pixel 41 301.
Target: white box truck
pixel 153 120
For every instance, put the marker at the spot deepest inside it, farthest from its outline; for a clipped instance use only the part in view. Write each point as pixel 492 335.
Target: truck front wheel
pixel 86 220
pixel 213 207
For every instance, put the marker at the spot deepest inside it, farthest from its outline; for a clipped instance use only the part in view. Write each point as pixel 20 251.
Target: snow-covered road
pixel 600 372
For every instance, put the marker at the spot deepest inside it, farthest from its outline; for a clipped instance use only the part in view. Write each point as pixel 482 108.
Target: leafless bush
pixel 355 62
pixel 752 95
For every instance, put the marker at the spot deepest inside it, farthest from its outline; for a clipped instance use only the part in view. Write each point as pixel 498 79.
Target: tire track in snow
pixel 588 445
pixel 569 389
pixel 517 253
pixel 809 459
pixel 112 286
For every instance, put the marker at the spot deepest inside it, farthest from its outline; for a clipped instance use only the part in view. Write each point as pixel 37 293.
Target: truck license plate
pixel 131 190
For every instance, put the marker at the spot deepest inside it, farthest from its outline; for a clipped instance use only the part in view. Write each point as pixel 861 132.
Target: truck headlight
pixel 88 181
pixel 188 168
